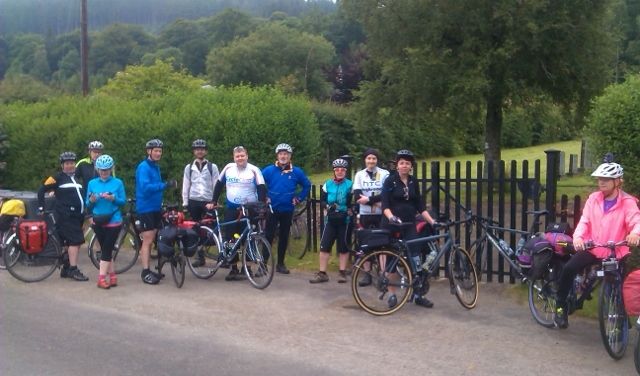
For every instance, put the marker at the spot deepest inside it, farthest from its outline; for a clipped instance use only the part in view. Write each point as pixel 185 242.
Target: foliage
pixel 535 121
pixel 118 46
pixel 613 125
pixel 20 87
pixel 155 80
pixel 270 54
pixel 258 118
pixel 337 131
pixel 477 54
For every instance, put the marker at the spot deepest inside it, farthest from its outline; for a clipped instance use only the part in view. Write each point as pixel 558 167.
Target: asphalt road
pixel 60 327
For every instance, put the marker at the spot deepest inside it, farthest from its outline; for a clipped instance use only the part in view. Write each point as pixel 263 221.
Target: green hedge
pixel 613 125
pixel 257 118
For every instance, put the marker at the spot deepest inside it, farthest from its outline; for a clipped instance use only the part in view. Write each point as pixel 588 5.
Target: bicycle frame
pixel 489 234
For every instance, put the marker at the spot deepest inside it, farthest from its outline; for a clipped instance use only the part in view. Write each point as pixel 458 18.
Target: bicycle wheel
pixel 125 253
pixel 300 235
pixel 614 329
pixel 32 267
pixel 4 241
pixel 463 278
pixel 636 353
pixel 541 302
pixel 206 267
pixel 257 261
pixel 390 274
pixel 479 256
pixel 178 263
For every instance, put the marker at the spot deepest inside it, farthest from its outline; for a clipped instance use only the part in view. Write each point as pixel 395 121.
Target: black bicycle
pixel 251 246
pixel 490 238
pixel 612 317
pixel 28 266
pixel 392 272
pixel 127 245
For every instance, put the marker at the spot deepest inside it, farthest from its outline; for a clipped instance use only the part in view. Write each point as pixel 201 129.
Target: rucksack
pixel 559 228
pixel 209 167
pixel 561 243
pixel 534 245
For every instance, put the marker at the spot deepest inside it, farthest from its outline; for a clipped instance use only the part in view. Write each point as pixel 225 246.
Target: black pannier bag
pixel 189 240
pixel 370 239
pixel 166 240
pixel 562 228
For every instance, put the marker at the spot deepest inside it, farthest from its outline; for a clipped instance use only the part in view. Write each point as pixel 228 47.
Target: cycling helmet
pixel 406 155
pixel 95 145
pixel 67 156
pixel 154 143
pixel 284 147
pixel 370 151
pixel 199 144
pixel 104 162
pixel 610 170
pixel 340 163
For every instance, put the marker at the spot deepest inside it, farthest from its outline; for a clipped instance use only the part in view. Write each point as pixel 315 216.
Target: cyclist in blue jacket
pixel 283 179
pixel 105 197
pixel 149 189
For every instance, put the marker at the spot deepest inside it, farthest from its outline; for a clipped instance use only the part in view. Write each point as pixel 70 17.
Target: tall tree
pixel 467 54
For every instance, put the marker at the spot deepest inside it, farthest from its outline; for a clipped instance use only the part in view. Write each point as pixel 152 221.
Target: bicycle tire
pixel 541 302
pixel 178 269
pixel 257 261
pixel 612 319
pixel 298 232
pixel 478 256
pixel 32 267
pixel 124 256
pixel 371 298
pixel 463 278
pixel 211 250
pixel 636 353
pixel 3 244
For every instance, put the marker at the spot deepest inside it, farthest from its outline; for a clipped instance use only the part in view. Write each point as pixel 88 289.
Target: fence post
pixel 553 169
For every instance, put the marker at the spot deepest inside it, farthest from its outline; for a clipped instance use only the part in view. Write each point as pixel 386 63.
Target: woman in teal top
pixel 335 199
pixel 105 197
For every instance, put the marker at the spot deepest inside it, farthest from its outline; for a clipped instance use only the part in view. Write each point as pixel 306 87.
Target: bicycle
pixel 612 317
pixel 392 271
pixel 127 245
pixel 208 243
pixel 34 267
pixel 251 246
pixel 489 236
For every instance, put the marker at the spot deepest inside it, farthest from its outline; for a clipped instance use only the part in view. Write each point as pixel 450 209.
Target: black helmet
pixel 67 156
pixel 154 143
pixel 370 151
pixel 406 155
pixel 199 144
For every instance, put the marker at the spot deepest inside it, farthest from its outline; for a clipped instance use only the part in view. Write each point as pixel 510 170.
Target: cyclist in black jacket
pixel 85 168
pixel 68 211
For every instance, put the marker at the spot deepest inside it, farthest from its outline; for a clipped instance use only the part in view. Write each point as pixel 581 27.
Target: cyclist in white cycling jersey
pixel 244 184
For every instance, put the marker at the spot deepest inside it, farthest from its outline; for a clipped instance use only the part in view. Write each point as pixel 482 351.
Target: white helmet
pixel 608 170
pixel 284 147
pixel 95 145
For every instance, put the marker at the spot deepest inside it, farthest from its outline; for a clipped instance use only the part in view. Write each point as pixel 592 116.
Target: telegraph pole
pixel 84 49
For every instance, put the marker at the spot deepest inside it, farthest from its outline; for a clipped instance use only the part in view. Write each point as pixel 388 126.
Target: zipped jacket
pixel 614 225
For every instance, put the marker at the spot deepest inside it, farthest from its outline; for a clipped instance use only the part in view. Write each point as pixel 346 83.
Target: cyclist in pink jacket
pixel 610 214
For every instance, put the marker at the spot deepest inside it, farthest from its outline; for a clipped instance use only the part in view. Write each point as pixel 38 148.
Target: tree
pixel 118 46
pixel 271 54
pixel 156 80
pixel 461 56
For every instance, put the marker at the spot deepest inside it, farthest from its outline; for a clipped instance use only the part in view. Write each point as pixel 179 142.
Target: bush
pixel 534 123
pixel 613 125
pixel 226 117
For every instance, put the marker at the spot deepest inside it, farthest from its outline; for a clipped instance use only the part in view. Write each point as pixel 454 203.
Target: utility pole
pixel 84 49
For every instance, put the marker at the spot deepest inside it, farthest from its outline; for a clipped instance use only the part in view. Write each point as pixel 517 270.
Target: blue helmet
pixel 104 162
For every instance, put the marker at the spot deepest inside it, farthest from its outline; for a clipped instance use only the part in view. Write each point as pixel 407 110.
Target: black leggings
pixel 196 209
pixel 284 219
pixel 576 264
pixel 107 237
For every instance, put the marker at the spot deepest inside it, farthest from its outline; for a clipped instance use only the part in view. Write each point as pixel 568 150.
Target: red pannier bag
pixel 32 236
pixel 631 293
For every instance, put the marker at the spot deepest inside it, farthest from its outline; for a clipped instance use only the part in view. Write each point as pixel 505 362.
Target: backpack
pixel 209 167
pixel 559 228
pixel 561 243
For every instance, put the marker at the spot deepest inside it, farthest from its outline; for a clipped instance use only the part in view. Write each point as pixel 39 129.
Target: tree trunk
pixel 493 130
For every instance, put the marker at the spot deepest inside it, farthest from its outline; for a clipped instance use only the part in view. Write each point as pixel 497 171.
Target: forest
pixel 440 77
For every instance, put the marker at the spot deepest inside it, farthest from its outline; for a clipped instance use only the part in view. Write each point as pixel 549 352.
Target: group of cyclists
pixel 383 199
